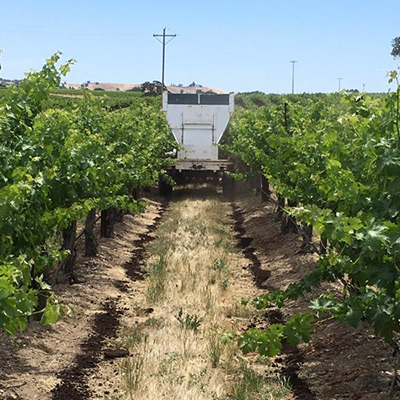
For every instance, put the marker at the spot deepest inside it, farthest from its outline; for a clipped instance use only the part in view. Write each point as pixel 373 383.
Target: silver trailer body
pixel 198 122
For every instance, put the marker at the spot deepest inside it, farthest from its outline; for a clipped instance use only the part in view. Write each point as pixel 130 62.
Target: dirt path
pixel 151 310
pixel 191 296
pixel 149 314
pixel 54 361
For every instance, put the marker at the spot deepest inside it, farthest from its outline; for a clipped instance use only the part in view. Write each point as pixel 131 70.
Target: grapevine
pixel 337 159
pixel 57 166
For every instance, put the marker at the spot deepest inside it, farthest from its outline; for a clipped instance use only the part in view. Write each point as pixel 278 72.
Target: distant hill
pixel 136 86
pixel 112 87
pixel 194 89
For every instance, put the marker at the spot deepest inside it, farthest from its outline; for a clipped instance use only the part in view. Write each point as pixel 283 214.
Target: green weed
pixel 156 323
pixel 156 280
pixel 219 265
pixel 132 373
pixel 215 349
pixel 225 284
pixel 253 386
pixel 132 337
pixel 169 365
pixel 188 321
pixel 209 298
pixel 200 380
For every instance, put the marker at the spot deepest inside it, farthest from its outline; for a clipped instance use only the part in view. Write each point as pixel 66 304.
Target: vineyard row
pixel 334 161
pixel 58 167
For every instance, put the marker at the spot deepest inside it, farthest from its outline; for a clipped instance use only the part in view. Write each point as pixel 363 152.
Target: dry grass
pixel 193 279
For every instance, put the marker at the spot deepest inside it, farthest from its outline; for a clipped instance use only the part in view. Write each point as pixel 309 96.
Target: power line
pixel 164 43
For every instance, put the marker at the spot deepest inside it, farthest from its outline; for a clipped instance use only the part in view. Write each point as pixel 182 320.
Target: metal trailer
pixel 198 122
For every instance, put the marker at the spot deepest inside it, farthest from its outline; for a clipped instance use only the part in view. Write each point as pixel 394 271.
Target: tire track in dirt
pixel 134 268
pixel 291 357
pixel 243 242
pixel 73 379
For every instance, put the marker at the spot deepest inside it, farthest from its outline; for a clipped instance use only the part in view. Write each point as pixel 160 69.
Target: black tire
pixel 228 187
pixel 180 178
pixel 164 188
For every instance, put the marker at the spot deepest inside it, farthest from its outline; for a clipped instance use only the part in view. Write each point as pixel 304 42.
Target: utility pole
pixel 339 80
pixel 293 62
pixel 164 43
pixel 363 87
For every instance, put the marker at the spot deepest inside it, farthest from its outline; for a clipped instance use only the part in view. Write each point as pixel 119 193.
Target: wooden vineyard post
pixel 286 116
pixel 107 222
pixel 65 268
pixel 289 224
pixel 265 192
pixel 228 187
pixel 306 246
pixel 119 215
pixel 135 193
pixel 281 204
pixel 90 239
pixel 43 294
pixel 255 183
pixel 292 223
pixel 323 245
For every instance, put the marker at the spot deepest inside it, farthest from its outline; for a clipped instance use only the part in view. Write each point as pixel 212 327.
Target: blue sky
pixel 233 45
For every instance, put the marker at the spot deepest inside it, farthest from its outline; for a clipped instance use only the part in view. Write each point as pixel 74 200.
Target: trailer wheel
pixel 180 178
pixel 164 188
pixel 228 187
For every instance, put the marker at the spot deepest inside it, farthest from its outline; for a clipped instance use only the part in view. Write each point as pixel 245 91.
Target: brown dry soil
pixel 60 362
pixel 54 362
